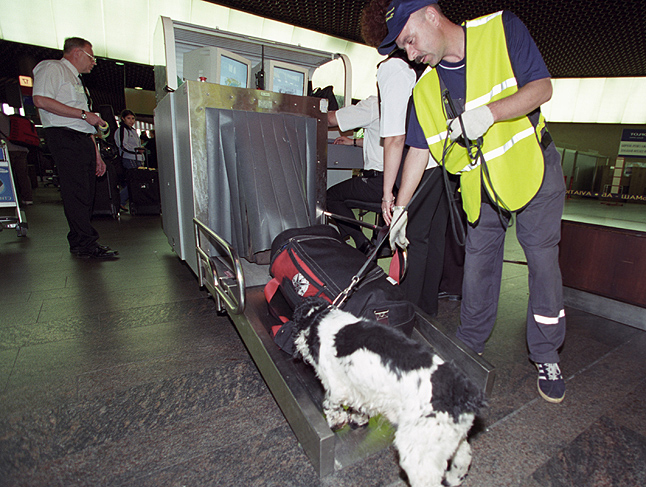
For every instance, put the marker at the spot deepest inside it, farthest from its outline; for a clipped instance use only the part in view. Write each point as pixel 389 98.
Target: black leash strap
pixel 343 296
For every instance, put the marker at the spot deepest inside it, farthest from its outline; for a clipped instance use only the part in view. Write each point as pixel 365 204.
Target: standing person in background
pixel 367 187
pixel 130 148
pixel 18 156
pixel 496 80
pixel 396 77
pixel 63 105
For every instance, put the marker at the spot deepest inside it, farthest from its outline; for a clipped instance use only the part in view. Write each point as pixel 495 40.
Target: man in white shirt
pixel 63 105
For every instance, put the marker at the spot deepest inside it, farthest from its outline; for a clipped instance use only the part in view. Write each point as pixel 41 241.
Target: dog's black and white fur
pixel 372 369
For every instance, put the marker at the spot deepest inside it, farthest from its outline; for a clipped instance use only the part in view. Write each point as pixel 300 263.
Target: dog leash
pixel 343 295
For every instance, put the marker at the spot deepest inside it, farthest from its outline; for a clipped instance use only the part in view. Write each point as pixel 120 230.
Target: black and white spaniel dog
pixel 367 368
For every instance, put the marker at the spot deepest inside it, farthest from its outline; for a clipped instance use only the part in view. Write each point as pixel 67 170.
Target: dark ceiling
pixel 578 39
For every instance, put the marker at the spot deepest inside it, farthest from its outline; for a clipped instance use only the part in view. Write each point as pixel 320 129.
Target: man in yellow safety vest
pixel 484 91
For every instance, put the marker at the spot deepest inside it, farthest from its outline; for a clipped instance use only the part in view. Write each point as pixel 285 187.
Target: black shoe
pixel 76 250
pixel 551 385
pixel 101 253
pixel 450 297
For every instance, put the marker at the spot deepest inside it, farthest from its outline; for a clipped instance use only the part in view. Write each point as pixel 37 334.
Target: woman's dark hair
pixel 125 113
pixel 373 22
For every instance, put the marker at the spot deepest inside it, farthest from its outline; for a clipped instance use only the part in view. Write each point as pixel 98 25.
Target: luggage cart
pixel 11 216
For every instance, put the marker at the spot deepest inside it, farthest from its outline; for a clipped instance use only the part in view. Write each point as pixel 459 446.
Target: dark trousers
pixel 538 228
pixel 427 217
pixel 453 271
pixel 74 154
pixel 359 188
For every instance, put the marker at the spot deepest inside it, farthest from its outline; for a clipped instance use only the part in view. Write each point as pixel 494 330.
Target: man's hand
pixel 476 123
pixel 387 205
pixel 94 119
pixel 100 167
pixel 398 230
pixel 343 140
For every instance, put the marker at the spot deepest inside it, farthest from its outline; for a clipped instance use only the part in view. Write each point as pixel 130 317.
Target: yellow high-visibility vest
pixel 511 148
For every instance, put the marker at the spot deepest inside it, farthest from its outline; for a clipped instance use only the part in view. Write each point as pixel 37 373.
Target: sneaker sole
pixel 553 400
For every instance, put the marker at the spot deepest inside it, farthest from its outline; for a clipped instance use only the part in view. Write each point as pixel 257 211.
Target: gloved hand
pixel 398 230
pixel 476 123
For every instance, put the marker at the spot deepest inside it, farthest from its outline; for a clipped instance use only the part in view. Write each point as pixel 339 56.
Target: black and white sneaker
pixel 551 385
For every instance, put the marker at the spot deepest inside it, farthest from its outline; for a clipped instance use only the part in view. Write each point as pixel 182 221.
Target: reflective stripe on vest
pixel 511 148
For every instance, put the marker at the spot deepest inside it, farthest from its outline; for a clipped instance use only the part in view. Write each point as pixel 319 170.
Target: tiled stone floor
pixel 123 374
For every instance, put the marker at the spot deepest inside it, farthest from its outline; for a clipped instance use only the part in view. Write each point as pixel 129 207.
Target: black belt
pixel 85 134
pixel 371 173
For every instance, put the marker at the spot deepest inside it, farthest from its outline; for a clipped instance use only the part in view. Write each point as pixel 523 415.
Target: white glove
pixel 476 123
pixel 398 230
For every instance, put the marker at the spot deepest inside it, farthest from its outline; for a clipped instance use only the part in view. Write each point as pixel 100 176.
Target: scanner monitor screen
pixel 233 72
pixel 217 65
pixel 288 78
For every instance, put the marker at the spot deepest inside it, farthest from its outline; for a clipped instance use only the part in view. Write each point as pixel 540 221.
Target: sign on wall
pixel 633 143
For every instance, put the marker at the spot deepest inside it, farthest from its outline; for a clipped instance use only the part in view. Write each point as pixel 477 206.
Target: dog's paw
pixel 358 419
pixel 336 418
pixel 458 465
pixel 453 481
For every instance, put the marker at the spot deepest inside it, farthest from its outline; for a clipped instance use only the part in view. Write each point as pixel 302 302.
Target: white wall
pixel 123 30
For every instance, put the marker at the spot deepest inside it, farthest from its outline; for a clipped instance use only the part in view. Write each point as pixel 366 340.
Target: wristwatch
pixel 83 115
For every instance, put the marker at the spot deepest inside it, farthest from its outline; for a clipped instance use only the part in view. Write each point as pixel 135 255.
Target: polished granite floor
pixel 123 374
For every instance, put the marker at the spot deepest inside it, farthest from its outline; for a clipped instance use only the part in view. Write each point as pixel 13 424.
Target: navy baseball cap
pixel 396 17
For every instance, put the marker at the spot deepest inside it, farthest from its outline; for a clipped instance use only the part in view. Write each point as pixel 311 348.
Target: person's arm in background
pixel 393 150
pixel 58 108
pixel 344 140
pixel 395 80
pixel 100 165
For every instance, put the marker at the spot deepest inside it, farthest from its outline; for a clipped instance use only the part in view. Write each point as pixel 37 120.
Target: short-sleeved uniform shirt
pixel 365 114
pixel 59 79
pixel 396 81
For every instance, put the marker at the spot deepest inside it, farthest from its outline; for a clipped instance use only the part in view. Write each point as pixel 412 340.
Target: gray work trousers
pixel 538 228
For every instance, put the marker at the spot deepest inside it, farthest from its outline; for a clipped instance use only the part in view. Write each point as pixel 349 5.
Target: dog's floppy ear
pixel 307 311
pixel 454 393
pixel 307 316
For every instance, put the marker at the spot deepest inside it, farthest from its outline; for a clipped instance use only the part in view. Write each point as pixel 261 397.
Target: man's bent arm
pixel 525 100
pixel 58 108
